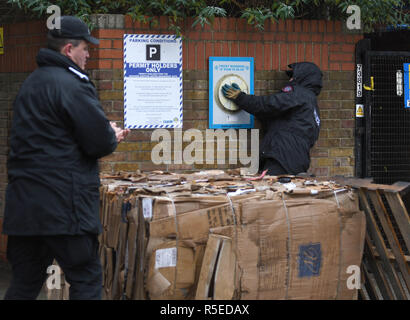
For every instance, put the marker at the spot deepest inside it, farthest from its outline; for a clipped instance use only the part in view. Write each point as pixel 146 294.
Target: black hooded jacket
pixel 59 131
pixel 290 118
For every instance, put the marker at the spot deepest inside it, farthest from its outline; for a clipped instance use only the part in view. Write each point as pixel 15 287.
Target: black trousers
pixel 30 256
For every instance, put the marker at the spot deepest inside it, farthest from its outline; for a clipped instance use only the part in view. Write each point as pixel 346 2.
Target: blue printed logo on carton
pixel 310 260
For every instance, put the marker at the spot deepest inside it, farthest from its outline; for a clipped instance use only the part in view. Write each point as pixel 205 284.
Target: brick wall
pixel 322 42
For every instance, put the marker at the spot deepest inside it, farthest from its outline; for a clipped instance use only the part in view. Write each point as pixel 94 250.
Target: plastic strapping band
pixel 337 200
pixel 176 235
pixel 236 230
pixel 288 246
pixel 340 244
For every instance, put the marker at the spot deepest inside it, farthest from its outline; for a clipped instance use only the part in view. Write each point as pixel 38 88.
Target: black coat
pixel 59 131
pixel 290 118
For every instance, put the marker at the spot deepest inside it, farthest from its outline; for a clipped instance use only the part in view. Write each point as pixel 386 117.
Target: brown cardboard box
pixel 171 271
pixel 298 249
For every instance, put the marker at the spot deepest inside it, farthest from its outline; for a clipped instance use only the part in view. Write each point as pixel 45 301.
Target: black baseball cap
pixel 73 28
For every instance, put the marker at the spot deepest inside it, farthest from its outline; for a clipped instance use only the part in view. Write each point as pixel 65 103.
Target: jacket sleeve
pixel 267 106
pixel 91 128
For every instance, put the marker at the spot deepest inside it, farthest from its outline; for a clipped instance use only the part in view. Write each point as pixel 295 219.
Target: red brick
pixel 275 56
pixel 118 44
pixel 280 36
pixel 305 37
pixel 317 37
pixel 234 49
pixel 341 57
pixel 209 50
pixel 321 26
pixel 110 54
pixel 223 24
pixel 242 49
pixel 185 55
pixel 348 48
pixel 128 21
pixel 334 66
pixel 192 35
pixel 328 37
pixel 338 26
pixel 301 52
pixel 251 49
pixel 225 49
pixel 329 26
pixel 104 85
pixel 241 25
pixel 306 25
pixel 308 52
pixel 200 55
pixel 109 33
pixel 282 25
pixel 298 25
pixel 348 66
pixel 104 64
pixel 325 57
pixel 191 55
pixel 289 26
pixel 267 56
pixel 283 56
pixel 117 64
pixel 313 25
pixel 293 37
pixel 105 44
pixel 316 54
pixel 218 49
pixel 256 36
pixel 292 52
pixel 259 56
pixel 163 22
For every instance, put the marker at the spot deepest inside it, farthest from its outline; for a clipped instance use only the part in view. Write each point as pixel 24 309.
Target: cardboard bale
pixel 171 272
pixel 194 225
pixel 218 271
pixel 297 249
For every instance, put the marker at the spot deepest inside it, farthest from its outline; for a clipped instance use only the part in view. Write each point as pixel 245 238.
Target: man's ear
pixel 66 50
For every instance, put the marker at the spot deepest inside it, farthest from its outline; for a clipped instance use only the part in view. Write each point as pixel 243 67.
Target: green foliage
pixel 256 12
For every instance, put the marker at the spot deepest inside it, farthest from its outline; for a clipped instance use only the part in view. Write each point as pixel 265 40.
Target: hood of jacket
pixel 306 74
pixel 48 57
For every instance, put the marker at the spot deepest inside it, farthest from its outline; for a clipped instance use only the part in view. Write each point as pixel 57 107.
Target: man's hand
pixel 121 134
pixel 231 92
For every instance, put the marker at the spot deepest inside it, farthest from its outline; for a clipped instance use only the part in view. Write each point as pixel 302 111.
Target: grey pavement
pixel 5 279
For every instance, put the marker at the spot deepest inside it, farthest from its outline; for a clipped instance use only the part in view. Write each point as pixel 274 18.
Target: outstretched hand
pixel 231 91
pixel 120 134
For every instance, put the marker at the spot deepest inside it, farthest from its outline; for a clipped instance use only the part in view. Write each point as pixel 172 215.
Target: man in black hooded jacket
pixel 59 132
pixel 290 119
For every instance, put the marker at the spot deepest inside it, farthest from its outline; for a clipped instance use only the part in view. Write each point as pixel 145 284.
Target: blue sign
pixel 310 260
pixel 224 113
pixel 407 85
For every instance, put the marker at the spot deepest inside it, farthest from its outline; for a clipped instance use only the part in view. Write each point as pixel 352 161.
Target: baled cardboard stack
pixel 222 235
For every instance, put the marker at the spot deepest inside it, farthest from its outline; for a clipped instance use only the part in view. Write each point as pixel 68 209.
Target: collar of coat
pixel 48 57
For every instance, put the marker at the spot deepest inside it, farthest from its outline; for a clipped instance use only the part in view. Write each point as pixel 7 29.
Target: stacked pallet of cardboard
pixel 219 235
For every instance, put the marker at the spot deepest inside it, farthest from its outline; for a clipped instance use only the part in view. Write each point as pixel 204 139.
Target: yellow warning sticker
pixel 1 41
pixel 359 110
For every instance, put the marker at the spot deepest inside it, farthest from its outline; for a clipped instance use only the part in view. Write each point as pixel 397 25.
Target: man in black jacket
pixel 59 131
pixel 290 119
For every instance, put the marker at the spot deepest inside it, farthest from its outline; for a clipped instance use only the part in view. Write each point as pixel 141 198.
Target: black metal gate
pixel 383 135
